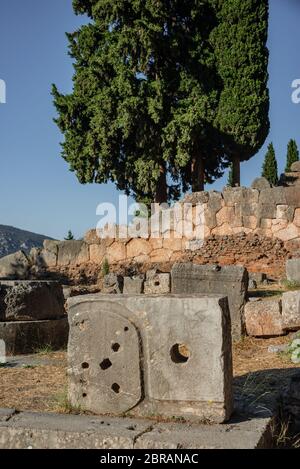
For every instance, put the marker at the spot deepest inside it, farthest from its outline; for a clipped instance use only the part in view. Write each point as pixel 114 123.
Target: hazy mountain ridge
pixel 13 239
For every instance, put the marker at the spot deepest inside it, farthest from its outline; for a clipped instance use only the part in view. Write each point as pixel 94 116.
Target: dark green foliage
pixel 292 155
pixel 270 167
pixel 105 267
pixel 242 59
pixel 70 236
pixel 164 92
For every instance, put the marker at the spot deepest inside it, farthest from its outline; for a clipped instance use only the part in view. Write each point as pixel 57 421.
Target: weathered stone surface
pixel 293 270
pixel 113 283
pixel 268 210
pixel 48 256
pixel 215 201
pixel 275 195
pixel 29 336
pixel 295 168
pixel 297 217
pixel 263 318
pixel 15 266
pixel 252 434
pixel 134 285
pixel 291 310
pixel 260 184
pixel 258 277
pixel 137 247
pixel 182 343
pixel 231 281
pixel 54 431
pixel 32 300
pixel 24 430
pixel 157 283
pixel 73 252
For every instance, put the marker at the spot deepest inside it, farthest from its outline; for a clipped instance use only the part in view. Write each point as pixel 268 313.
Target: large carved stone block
pixel 151 356
pixel 231 281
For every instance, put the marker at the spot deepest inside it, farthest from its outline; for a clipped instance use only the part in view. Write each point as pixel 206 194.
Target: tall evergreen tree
pixel 292 155
pixel 69 236
pixel 144 99
pixel 270 167
pixel 230 180
pixel 239 41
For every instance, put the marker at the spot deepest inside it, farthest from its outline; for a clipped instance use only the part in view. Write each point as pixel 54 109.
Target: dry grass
pixel 42 388
pixel 33 388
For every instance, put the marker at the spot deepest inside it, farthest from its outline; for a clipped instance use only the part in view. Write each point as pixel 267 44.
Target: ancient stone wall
pixel 258 227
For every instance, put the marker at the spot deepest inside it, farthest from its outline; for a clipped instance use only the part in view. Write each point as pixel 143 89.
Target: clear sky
pixel 37 191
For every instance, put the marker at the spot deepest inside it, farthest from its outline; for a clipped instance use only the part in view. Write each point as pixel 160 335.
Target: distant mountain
pixel 12 240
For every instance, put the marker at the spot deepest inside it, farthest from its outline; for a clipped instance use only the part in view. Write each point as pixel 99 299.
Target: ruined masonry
pixel 125 357
pixel 32 316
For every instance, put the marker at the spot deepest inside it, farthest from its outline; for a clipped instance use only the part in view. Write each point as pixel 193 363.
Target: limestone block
pixel 33 301
pixel 116 252
pixel 157 284
pixel 134 285
pixel 263 318
pixel 91 237
pixel 267 210
pixel 113 284
pixel 97 253
pixel 48 255
pixel 284 212
pixel 160 255
pixel 215 202
pixel 288 233
pixel 297 218
pixel 276 195
pixel 292 195
pixel 260 184
pixel 15 266
pixel 225 215
pixel 295 168
pixel 250 222
pixel 29 336
pixel 293 270
pixel 149 355
pixel 72 252
pixel 138 247
pixel 231 281
pixel 278 225
pixel 291 310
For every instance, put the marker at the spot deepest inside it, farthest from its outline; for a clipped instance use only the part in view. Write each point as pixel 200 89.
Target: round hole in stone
pixel 180 353
pixel 116 388
pixel 106 364
pixel 84 395
pixel 115 347
pixel 157 284
pixel 85 365
pixel 126 329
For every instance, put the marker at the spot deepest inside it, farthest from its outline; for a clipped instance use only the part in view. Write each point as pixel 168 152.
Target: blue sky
pixel 37 191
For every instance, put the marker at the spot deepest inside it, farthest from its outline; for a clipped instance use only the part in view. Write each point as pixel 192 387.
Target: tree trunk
pixel 198 174
pixel 236 171
pixel 161 195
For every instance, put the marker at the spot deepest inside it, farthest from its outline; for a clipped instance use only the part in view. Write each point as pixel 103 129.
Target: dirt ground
pixel 39 382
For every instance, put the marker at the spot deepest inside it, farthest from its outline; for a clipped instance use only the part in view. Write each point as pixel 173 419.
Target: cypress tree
pixel 239 42
pixel 230 181
pixel 144 98
pixel 292 155
pixel 270 167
